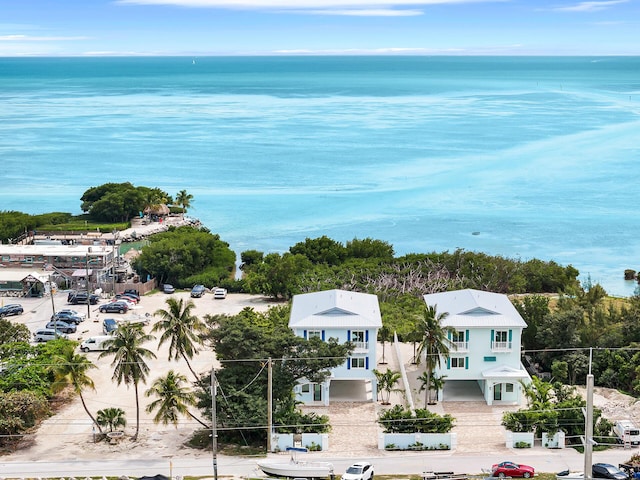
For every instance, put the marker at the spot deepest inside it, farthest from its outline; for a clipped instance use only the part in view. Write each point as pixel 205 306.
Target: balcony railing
pixel 501 346
pixel 361 345
pixel 460 346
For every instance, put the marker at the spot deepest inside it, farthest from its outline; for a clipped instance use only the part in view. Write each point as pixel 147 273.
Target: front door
pixel 317 392
pixel 497 391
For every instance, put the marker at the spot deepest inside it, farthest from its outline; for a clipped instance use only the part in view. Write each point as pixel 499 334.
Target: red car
pixel 510 469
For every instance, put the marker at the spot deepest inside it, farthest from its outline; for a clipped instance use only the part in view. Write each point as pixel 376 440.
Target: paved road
pixel 543 460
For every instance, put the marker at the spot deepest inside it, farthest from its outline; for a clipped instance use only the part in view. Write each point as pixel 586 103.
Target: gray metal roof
pixel 335 309
pixel 475 308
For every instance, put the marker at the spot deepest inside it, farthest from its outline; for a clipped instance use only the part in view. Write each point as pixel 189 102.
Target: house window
pixel 358 337
pixel 357 362
pixel 458 337
pixel 314 333
pixel 458 362
pixel 306 388
pixel 508 387
pixel 501 340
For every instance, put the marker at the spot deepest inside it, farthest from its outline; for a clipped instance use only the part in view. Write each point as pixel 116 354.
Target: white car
pixel 75 313
pixel 95 343
pixel 46 334
pixel 220 293
pixel 359 471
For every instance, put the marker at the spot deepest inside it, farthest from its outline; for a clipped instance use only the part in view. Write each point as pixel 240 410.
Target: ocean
pixel 523 157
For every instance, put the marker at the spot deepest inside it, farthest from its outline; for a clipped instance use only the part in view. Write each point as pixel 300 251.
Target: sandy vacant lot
pixel 69 432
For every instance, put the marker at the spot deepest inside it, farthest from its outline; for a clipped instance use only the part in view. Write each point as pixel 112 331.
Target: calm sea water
pixel 520 157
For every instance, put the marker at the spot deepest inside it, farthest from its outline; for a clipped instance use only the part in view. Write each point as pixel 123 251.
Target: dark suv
pixel 197 291
pixel 75 298
pixel 11 309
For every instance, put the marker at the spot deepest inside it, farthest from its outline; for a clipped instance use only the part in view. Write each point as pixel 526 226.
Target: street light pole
pixel 86 264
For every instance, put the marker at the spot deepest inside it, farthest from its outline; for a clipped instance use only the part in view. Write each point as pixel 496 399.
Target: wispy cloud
pixel 589 6
pixel 362 12
pixel 31 38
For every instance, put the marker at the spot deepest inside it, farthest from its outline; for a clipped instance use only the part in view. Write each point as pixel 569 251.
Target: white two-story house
pixel 485 336
pixel 346 316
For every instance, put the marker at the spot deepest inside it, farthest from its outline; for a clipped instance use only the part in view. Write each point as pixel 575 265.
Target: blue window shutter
pixel 304 334
pixel 466 363
pixel 323 335
pixel 366 335
pixel 467 335
pixel 449 332
pixel 366 363
pixel 348 363
pixel 492 336
pixel 348 335
pixel 510 333
pixel 448 363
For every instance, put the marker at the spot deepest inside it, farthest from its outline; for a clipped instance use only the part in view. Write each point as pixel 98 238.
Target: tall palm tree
pixel 173 399
pixel 70 368
pixel 129 359
pixel 434 382
pixel 180 327
pixel 184 200
pixel 112 418
pixel 435 343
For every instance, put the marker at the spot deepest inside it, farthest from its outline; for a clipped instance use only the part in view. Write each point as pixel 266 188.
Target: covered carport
pixel 349 391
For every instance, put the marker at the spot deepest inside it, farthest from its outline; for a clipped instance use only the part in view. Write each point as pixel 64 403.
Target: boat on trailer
pixel 430 475
pixel 296 468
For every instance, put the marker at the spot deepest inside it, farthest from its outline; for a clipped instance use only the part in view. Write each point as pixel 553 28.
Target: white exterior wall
pixel 479 354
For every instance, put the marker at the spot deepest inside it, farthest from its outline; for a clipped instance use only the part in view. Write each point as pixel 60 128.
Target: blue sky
pixel 319 27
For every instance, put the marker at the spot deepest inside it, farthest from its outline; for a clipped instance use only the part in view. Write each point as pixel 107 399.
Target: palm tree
pixel 435 343
pixel 184 200
pixel 434 383
pixel 129 359
pixel 386 384
pixel 384 336
pixel 180 327
pixel 112 418
pixel 173 399
pixel 70 368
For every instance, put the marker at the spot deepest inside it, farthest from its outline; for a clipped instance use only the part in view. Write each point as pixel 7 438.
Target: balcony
pixel 361 347
pixel 501 346
pixel 460 346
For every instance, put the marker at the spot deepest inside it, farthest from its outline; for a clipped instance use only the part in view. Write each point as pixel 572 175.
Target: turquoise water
pixel 538 156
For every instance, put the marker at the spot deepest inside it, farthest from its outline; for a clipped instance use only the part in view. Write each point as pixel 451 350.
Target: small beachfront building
pixel 485 344
pixel 346 316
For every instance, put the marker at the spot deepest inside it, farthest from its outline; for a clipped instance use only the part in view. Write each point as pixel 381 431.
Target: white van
pixel 95 343
pixel 627 432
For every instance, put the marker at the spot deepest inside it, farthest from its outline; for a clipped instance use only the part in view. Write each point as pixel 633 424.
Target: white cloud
pixel 30 38
pixel 362 12
pixel 589 6
pixel 321 5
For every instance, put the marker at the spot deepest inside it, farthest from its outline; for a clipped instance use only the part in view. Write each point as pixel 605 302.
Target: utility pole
pixel 53 304
pixel 588 425
pixel 86 264
pixel 269 403
pixel 214 419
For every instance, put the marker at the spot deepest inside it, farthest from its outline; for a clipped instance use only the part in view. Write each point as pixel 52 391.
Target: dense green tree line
pixel 561 338
pixel 185 256
pixel 13 224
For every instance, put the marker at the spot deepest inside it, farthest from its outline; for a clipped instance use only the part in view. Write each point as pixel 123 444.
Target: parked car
pixel 127 301
pixel 359 471
pixel 510 469
pixel 109 325
pixel 46 334
pixel 168 288
pixel 220 293
pixel 66 327
pixel 75 313
pixel 95 343
pixel 127 296
pixel 197 291
pixel 75 298
pixel 11 309
pixel 114 307
pixel 67 317
pixel 606 470
pixel 132 291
